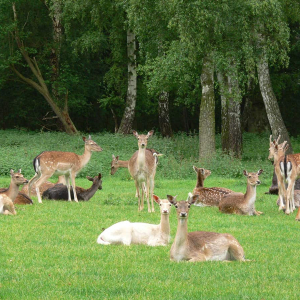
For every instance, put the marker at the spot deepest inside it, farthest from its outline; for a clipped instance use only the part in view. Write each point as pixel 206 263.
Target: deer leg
pixel 67 179
pixel 281 190
pixel 151 194
pixel 74 187
pixel 138 194
pixel 288 209
pixel 9 209
pixel 147 194
pixel 41 180
pixel 298 214
pixel 32 181
pixel 293 198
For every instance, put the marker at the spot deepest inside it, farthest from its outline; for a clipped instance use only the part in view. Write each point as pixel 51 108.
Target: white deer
pixel 50 163
pixel 201 245
pixel 127 233
pixel 8 196
pixel 142 167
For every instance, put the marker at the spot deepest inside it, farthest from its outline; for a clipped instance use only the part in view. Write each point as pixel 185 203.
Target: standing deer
pixel 7 197
pixel 60 191
pixel 207 196
pixel 50 163
pixel 239 203
pixel 142 167
pixel 127 233
pixel 201 245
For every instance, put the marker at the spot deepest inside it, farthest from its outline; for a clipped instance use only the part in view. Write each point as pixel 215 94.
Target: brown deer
pixel 7 197
pixel 207 196
pixel 201 245
pixel 60 191
pixel 44 186
pixel 127 233
pixel 50 163
pixel 142 167
pixel 21 198
pixel 239 203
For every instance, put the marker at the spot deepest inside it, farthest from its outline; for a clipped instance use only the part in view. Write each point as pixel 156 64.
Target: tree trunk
pixel 207 111
pixel 163 115
pixel 128 116
pixel 41 86
pixel 231 115
pixel 270 101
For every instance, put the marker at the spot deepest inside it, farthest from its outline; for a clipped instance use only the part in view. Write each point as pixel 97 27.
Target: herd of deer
pixel 189 246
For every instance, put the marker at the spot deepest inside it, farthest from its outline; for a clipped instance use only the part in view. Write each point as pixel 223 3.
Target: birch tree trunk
pixel 207 111
pixel 231 115
pixel 163 115
pixel 273 112
pixel 129 112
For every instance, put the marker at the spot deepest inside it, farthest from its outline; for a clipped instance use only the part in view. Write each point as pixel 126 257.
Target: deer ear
pixel 150 133
pixel 89 178
pixel 84 138
pixel 19 171
pixel 192 198
pixel 156 199
pixel 245 173
pixel 100 176
pixel 135 133
pixel 90 137
pixel 172 199
pixel 11 172
pixel 259 172
pixel 202 171
pixel 195 169
pixel 113 157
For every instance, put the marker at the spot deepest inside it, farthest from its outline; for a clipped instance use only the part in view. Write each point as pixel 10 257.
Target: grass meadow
pixel 49 250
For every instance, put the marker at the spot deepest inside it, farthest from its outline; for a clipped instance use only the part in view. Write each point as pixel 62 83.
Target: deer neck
pixel 181 238
pixel 123 163
pixel 141 159
pixel 250 195
pixel 199 181
pixel 85 157
pixel 164 225
pixel 91 191
pixel 12 191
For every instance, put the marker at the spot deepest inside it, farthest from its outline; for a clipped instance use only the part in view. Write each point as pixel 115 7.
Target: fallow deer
pixel 60 191
pixel 207 196
pixel 142 167
pixel 44 186
pixel 127 233
pixel 50 163
pixel 201 245
pixel 7 197
pixel 239 203
pixel 21 198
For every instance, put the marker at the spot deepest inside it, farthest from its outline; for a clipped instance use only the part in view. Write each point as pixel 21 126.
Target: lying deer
pixel 44 186
pixel 142 167
pixel 50 163
pixel 60 191
pixel 239 203
pixel 7 197
pixel 21 198
pixel 127 233
pixel 207 196
pixel 201 245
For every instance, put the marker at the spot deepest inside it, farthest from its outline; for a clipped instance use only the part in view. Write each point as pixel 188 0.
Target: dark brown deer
pixel 60 191
pixel 207 196
pixel 8 196
pixel 201 245
pixel 50 163
pixel 239 203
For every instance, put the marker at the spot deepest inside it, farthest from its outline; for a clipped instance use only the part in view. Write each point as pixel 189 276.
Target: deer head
pixel 96 180
pixel 252 178
pixel 91 145
pixel 114 165
pixel 164 205
pixel 18 178
pixel 142 138
pixel 183 207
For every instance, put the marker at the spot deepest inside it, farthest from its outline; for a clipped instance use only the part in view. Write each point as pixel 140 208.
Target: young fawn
pixel 207 196
pixel 127 233
pixel 7 197
pixel 201 245
pixel 239 203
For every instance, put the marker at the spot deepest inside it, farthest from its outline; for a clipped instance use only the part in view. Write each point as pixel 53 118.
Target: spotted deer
pixel 7 197
pixel 239 203
pixel 201 245
pixel 207 196
pixel 127 233
pixel 50 163
pixel 142 167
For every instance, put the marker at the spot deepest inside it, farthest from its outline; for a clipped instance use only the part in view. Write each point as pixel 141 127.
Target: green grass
pixel 49 250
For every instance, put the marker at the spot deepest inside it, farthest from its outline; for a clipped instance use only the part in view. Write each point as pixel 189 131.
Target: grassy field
pixel 49 250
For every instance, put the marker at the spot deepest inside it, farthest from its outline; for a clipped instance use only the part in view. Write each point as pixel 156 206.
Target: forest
pixel 206 67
